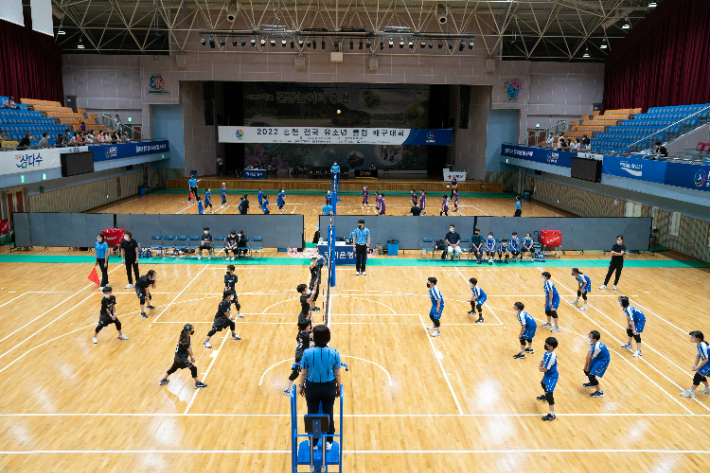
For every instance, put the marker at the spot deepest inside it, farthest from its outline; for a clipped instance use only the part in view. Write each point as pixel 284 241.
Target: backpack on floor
pixel 441 245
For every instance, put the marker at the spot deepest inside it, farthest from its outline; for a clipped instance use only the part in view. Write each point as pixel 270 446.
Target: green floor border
pixel 273 192
pixel 379 261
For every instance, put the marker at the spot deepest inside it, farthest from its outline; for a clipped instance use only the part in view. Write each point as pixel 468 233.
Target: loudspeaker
pixel 465 93
pixel 208 94
pixel 465 101
pixel 70 101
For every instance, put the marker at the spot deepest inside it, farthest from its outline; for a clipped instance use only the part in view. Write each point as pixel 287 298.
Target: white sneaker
pixel 584 308
pixel 239 314
pixel 575 302
pixel 625 345
pixel 122 337
pixel 436 334
pixel 602 287
pixel 95 340
pixel 705 391
pixel 432 327
pixel 613 287
pixel 130 286
pixel 357 273
pixel 101 288
pixel 328 446
pixel 207 345
pixel 556 328
pixel 637 354
pixel 364 273
pixel 688 393
pixel 547 324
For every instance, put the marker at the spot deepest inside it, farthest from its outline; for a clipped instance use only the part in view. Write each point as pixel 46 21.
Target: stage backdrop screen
pixel 316 105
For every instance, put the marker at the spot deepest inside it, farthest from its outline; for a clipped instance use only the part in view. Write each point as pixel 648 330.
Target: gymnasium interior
pixel 569 122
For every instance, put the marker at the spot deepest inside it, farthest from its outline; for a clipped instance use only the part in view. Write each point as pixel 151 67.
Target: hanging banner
pixel 13 162
pixel 333 135
pixel 12 11
pixel 129 150
pixel 544 156
pixel 635 168
pixel 42 16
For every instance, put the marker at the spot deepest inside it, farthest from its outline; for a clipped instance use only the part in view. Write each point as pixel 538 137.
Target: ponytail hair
pixel 185 334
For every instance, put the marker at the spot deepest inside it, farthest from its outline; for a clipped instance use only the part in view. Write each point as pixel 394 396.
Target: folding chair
pixel 259 242
pixel 219 242
pixel 427 246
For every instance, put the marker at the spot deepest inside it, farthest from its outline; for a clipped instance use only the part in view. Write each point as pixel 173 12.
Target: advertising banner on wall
pixel 635 168
pixel 13 162
pixel 689 176
pixel 129 150
pixel 544 156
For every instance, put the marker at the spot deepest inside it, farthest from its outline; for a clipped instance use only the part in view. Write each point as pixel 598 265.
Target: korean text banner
pixel 635 168
pixel 544 156
pixel 335 135
pixel 13 162
pixel 129 150
pixel 688 176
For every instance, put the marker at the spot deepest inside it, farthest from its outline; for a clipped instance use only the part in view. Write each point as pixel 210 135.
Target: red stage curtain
pixel 30 64
pixel 664 61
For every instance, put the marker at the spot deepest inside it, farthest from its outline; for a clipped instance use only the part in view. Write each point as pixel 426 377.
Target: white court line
pixel 651 312
pixel 489 308
pixel 472 324
pixel 180 293
pixel 204 376
pixel 389 378
pixel 484 213
pixel 294 209
pixel 6 303
pixel 362 298
pixel 641 358
pixel 181 211
pixel 227 414
pixel 280 302
pixel 42 344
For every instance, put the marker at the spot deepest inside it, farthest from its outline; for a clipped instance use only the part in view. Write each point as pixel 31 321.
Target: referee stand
pixel 316 425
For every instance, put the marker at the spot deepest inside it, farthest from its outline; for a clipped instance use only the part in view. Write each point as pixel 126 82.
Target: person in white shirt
pixel 117 123
pixel 43 142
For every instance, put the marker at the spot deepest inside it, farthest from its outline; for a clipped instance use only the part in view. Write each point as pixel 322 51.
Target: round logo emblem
pixel 700 177
pixel 240 134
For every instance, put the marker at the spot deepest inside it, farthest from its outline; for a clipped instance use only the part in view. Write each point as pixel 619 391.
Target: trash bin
pixel 393 247
pixel 141 190
pixel 526 195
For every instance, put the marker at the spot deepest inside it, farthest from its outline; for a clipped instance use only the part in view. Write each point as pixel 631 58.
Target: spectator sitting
pixel 452 240
pixel 61 141
pixel 24 142
pixel 72 141
pixel 241 243
pixel 586 142
pixel 114 139
pixel 83 126
pixel 43 143
pixel 126 138
pixel 99 137
pixel 3 135
pixel 660 149
pixel 79 138
pixel 9 103
pixel 90 137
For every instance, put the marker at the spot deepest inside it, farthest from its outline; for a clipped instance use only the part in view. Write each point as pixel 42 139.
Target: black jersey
pixel 181 351
pixel 206 239
pixel 315 270
pixel 232 240
pixel 230 280
pixel 244 207
pixel 303 340
pixel 143 282
pixel 107 305
pixel 129 250
pixel 223 307
pixel 305 305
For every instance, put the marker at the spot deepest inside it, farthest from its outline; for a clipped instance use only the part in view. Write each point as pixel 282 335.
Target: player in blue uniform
pixel 199 205
pixel 265 205
pixel 528 327
pixel 281 200
pixel 636 321
pixel 208 199
pixel 701 366
pixel 503 251
pixel 260 196
pixel 437 306
pixel 513 247
pixel 584 287
pixel 552 301
pixel 527 247
pixel 596 364
pixel 548 365
pixel 224 195
pixel 477 299
pixel 490 248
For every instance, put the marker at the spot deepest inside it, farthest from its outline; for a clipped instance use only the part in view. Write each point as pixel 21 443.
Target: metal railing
pixel 650 136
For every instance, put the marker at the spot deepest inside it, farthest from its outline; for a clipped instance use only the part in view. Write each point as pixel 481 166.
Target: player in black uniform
pixel 108 315
pixel 304 341
pixel 315 269
pixel 205 244
pixel 230 279
pixel 143 293
pixel 231 245
pixel 306 301
pixel 182 352
pixel 223 318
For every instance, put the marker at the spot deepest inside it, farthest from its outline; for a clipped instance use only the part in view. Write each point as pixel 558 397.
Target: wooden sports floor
pixel 459 402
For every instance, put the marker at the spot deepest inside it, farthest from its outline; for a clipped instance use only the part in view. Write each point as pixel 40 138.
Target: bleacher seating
pixel 595 123
pixel 617 139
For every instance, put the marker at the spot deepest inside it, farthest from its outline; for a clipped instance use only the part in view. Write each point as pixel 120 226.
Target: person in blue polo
pixel 437 306
pixel 596 364
pixel 361 242
pixel 320 378
pixel 552 301
pixel 335 172
pixel 477 299
pixel 327 209
pixel 101 249
pixel 192 187
pixel 528 327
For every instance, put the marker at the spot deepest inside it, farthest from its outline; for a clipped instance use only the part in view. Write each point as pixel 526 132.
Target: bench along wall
pixel 577 233
pixel 80 229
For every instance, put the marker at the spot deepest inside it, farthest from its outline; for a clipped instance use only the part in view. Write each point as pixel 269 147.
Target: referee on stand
pixel 361 242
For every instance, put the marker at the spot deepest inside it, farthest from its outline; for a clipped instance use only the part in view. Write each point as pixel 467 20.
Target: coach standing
pixel 129 255
pixel 617 262
pixel 361 242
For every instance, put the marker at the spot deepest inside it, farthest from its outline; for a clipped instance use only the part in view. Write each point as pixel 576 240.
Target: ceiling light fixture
pixel 627 25
pixel 61 32
pixel 586 53
pixel 221 42
pixel 253 42
pixel 211 41
pixel 391 44
pixel 470 45
pixel 283 43
pixel 441 44
pixel 322 44
pixel 603 45
pixel 462 45
pixel 652 5
pixel 80 45
pixel 262 42
pixel 234 42
pixel 202 41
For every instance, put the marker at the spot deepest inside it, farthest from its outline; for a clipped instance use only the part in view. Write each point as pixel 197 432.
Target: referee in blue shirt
pixel 361 242
pixel 320 377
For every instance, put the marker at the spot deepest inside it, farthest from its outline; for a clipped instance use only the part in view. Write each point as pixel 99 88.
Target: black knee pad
pixel 579 293
pixel 553 313
pixel 523 340
pixel 99 327
pixel 479 307
pixel 593 380
pixel 584 296
pixel 231 325
pixel 550 398
pixel 118 325
pixel 548 313
pixel 193 371
pixel 142 300
pixel 629 332
pixel 637 338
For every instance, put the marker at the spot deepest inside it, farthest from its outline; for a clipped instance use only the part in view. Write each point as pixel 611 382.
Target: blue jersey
pixel 192 182
pixel 636 316
pixel 502 247
pixel 224 195
pixel 239 207
pixel 585 284
pixel 550 288
pixel 527 242
pixel 518 205
pixel 703 352
pixel 260 196
pixel 435 295
pixel 280 198
pixel 491 244
pixel 549 361
pixel 264 204
pixel 481 296
pixel 208 198
pixel 599 352
pixel 199 207
pixel 335 169
pixel 514 244
pixel 527 320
